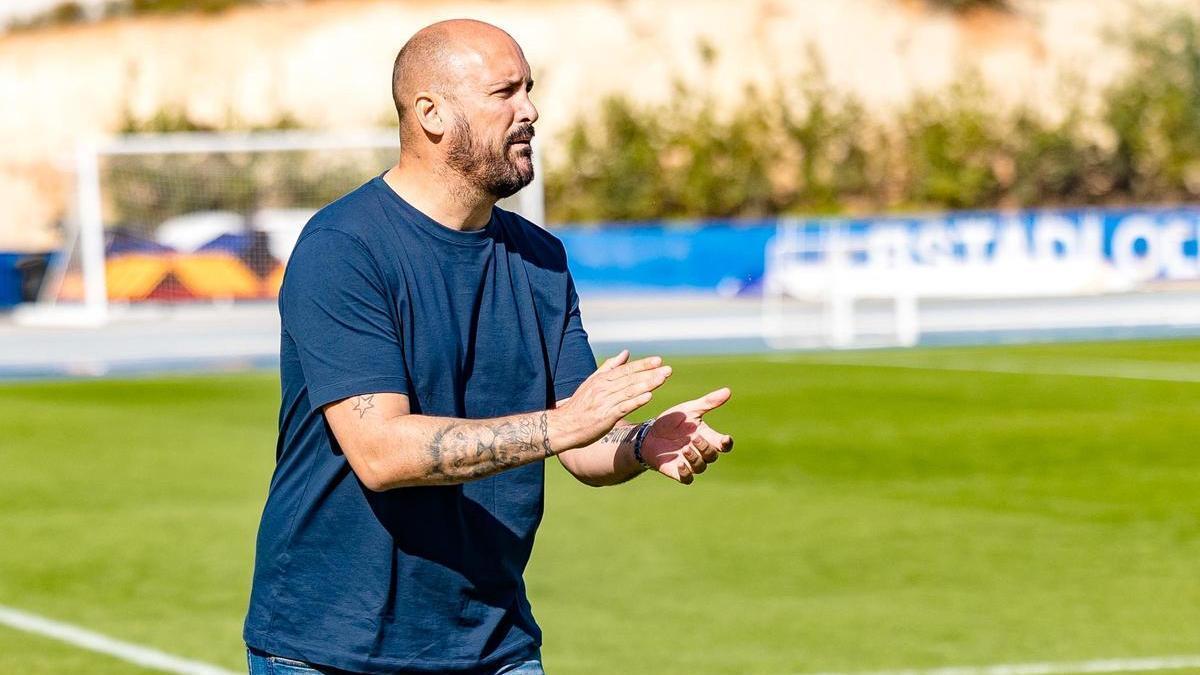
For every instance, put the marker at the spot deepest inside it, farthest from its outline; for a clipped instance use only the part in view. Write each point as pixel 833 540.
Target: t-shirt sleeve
pixel 335 306
pixel 576 362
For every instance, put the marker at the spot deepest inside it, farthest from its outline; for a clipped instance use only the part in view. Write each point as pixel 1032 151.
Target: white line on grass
pixel 81 637
pixel 1124 370
pixel 154 659
pixel 1097 666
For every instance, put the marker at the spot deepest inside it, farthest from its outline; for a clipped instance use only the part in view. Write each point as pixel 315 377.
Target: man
pixel 432 358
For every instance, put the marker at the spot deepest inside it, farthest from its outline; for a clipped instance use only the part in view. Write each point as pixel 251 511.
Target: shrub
pixel 967 5
pixel 953 144
pixel 178 6
pixel 809 148
pixel 1153 112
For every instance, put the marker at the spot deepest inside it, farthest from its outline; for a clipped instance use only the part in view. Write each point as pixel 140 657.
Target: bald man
pixel 432 358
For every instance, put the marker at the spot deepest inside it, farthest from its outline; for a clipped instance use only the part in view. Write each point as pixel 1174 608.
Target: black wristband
pixel 640 436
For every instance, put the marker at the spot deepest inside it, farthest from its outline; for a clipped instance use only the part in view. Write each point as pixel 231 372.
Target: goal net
pixel 203 219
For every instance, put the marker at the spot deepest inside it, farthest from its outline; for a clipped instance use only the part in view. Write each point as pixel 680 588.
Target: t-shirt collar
pixel 431 226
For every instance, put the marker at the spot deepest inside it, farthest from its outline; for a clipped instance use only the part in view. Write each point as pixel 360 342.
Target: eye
pixel 506 92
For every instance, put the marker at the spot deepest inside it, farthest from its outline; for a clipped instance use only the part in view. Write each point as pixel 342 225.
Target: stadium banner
pixel 1069 250
pixel 964 254
pixel 712 255
pixel 10 278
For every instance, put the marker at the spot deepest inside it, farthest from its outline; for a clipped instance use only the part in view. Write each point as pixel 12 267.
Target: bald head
pixel 462 95
pixel 441 58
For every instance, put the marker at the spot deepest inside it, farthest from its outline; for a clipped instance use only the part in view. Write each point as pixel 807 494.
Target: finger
pixel 632 367
pixel 709 401
pixel 614 361
pixel 717 440
pixel 695 460
pixel 706 450
pixel 628 406
pixel 684 471
pixel 644 381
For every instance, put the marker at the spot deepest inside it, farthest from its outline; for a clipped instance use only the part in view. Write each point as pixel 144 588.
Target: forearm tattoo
pixel 622 433
pixel 465 449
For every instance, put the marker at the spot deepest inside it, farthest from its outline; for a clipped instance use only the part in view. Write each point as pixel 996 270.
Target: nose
pixel 526 111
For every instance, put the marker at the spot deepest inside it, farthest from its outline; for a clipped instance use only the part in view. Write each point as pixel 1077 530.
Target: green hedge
pixel 805 147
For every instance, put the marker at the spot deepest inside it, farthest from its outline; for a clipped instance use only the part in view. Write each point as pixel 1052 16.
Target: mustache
pixel 522 134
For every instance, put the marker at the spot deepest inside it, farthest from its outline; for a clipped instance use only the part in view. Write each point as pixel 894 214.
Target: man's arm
pixel 608 461
pixel 388 447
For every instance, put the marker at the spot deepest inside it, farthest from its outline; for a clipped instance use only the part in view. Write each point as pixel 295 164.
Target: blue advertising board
pixel 1146 244
pixel 10 279
pixel 710 255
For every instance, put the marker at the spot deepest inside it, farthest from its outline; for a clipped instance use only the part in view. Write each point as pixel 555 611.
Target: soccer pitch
pixel 882 510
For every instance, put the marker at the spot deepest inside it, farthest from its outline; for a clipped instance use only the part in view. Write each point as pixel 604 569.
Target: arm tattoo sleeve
pixel 465 449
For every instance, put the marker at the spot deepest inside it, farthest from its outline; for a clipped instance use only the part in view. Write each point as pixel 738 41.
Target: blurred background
pixel 944 251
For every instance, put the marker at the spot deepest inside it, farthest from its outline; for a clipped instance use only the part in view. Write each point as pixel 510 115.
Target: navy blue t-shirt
pixel 378 297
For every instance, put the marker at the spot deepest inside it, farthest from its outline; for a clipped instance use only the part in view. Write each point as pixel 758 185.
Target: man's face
pixel 489 140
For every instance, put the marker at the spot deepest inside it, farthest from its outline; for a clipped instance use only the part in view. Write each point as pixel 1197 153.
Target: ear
pixel 430 112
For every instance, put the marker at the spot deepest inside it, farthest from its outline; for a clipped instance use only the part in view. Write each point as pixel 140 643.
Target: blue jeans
pixel 261 663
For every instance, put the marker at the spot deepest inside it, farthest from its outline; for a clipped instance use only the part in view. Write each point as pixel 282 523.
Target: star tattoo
pixel 363 404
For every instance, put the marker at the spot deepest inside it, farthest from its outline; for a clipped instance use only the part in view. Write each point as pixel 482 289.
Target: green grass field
pixel 882 510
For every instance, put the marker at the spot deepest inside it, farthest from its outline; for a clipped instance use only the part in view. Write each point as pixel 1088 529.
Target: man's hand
pixel 615 390
pixel 680 444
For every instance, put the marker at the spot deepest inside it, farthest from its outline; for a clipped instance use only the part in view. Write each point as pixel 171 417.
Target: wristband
pixel 637 443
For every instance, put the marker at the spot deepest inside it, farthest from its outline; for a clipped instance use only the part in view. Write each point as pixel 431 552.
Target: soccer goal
pixel 817 292
pixel 202 220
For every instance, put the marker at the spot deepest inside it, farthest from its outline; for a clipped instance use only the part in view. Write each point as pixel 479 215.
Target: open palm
pixel 680 444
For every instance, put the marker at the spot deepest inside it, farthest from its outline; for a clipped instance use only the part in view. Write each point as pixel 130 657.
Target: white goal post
pixel 203 218
pixel 813 290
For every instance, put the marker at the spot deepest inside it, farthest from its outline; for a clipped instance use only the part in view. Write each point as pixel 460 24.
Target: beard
pixel 496 170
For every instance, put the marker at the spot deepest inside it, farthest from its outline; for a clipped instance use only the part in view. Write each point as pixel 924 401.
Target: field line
pixel 1122 370
pixel 1132 665
pixel 86 639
